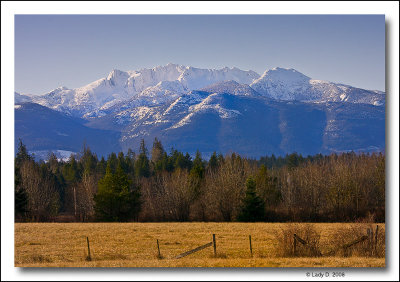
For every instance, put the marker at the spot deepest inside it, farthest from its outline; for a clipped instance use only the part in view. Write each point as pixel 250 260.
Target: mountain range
pixel 224 110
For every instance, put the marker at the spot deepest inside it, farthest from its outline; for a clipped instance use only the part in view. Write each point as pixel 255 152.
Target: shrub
pixel 366 248
pixel 285 240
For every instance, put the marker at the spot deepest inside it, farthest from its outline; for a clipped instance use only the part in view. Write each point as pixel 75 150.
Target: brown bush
pixel 285 240
pixel 366 248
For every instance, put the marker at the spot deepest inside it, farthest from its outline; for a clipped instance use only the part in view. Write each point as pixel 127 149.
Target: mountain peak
pixel 57 90
pixel 117 77
pixel 284 74
pixel 283 84
pixel 115 73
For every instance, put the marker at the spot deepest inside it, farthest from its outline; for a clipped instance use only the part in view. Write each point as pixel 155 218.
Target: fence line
pixel 371 236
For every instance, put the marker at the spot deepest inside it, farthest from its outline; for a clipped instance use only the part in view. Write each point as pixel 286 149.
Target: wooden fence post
pixel 370 240
pixel 158 247
pixel 376 240
pixel 214 245
pixel 88 247
pixel 294 244
pixel 251 249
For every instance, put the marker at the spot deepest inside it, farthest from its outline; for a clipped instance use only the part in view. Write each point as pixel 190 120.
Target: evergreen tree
pixel 130 163
pixel 122 162
pixel 70 171
pixel 130 154
pixel 101 167
pixel 143 148
pixel 167 163
pixel 221 159
pixel 158 156
pixel 21 197
pixel 197 170
pixel 88 160
pixel 292 160
pixel 268 187
pixel 21 202
pixel 272 161
pixel 198 161
pixel 178 159
pixel 142 165
pixel 55 168
pixel 112 161
pixel 187 161
pixel 116 199
pixel 196 174
pixel 22 154
pixel 253 206
pixel 213 162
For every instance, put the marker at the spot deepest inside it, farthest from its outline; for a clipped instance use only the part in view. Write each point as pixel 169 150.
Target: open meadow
pixel 135 245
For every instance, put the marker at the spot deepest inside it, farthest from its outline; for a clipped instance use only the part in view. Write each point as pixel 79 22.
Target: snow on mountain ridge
pixel 120 90
pixel 119 86
pixel 194 78
pixel 285 74
pixel 289 85
pixel 163 92
pixel 231 87
pixel 282 84
pixel 211 103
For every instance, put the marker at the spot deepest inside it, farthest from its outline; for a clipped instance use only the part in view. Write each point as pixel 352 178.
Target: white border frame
pixel 9 9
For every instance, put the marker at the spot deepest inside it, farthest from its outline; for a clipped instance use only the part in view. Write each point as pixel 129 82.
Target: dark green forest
pixel 156 186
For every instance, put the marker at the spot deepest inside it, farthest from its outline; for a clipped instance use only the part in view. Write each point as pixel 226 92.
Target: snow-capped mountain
pixel 222 110
pixel 281 84
pixel 154 86
pixel 163 84
pixel 289 84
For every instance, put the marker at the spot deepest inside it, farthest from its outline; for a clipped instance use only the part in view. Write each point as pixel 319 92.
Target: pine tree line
pixel 161 186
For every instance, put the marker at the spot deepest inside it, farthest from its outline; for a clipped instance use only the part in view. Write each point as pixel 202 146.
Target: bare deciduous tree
pixel 84 193
pixel 226 187
pixel 43 198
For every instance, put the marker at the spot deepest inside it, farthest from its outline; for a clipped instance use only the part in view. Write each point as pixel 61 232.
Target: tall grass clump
pixel 366 248
pixel 284 241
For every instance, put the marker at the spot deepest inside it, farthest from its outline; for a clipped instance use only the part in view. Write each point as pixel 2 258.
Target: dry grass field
pixel 135 245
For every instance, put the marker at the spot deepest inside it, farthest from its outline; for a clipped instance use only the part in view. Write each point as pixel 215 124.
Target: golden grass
pixel 134 245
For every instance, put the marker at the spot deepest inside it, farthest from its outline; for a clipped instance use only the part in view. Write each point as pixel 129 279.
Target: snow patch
pixel 62 155
pixel 182 122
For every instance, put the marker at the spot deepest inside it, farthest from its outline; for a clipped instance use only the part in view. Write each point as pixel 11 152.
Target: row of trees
pixel 174 187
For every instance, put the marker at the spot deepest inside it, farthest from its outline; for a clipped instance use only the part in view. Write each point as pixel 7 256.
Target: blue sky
pixel 74 50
